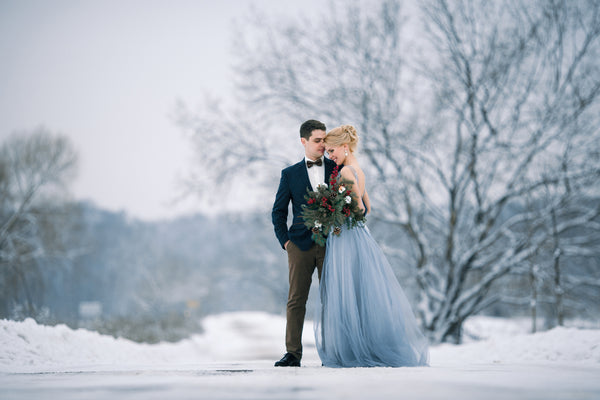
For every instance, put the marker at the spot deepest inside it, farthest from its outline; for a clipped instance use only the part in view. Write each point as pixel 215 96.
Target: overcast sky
pixel 107 74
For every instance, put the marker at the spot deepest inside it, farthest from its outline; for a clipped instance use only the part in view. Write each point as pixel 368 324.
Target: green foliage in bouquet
pixel 331 207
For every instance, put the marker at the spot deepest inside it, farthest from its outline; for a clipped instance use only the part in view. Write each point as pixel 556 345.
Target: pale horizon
pixel 108 75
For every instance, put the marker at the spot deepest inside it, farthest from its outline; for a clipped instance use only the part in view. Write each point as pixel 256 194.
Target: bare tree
pixel 35 168
pixel 512 118
pixel 563 275
pixel 458 129
pixel 567 251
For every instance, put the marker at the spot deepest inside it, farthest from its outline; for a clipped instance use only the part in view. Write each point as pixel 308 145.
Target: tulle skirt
pixel 364 318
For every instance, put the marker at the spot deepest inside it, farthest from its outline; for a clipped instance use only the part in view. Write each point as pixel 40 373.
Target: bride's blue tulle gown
pixel 364 318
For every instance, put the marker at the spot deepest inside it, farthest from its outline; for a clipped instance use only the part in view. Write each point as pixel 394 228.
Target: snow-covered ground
pixel 234 358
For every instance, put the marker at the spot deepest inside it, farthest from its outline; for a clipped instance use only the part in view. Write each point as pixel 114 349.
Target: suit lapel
pixel 303 174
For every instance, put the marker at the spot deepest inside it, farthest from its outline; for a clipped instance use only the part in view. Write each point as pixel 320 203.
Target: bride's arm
pixel 367 202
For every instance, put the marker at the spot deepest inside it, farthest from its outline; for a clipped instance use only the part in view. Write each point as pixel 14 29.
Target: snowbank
pixel 568 345
pixel 27 346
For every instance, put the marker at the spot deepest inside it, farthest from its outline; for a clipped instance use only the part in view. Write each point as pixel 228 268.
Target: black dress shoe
pixel 288 360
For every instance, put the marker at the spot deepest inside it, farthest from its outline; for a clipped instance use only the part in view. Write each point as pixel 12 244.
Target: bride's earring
pixel 346 153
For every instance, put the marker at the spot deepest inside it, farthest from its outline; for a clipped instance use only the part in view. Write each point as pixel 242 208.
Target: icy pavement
pixel 260 380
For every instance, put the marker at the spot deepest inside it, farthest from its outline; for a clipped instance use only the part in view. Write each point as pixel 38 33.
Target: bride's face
pixel 336 154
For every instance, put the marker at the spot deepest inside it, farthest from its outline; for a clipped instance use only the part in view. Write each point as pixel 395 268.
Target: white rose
pixel 318 225
pixel 342 189
pixel 348 199
pixel 323 185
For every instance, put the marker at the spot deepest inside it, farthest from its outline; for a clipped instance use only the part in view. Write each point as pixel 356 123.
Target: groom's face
pixel 314 146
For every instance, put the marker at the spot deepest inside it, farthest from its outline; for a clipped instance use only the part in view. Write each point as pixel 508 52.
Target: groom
pixel 303 254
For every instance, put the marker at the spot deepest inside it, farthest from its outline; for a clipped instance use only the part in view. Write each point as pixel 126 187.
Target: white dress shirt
pixel 316 174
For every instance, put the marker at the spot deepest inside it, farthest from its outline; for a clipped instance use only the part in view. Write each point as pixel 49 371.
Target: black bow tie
pixel 318 163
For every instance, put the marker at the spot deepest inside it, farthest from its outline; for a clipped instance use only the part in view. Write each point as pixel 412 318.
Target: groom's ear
pixel 303 140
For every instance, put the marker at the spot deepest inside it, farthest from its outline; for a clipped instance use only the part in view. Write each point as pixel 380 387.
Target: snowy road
pixel 259 380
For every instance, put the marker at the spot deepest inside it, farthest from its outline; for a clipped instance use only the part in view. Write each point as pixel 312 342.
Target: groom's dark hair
pixel 307 127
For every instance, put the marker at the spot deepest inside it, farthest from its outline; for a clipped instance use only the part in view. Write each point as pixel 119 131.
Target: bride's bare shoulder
pixel 347 173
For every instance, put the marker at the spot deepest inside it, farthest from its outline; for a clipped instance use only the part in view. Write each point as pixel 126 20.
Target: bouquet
pixel 331 206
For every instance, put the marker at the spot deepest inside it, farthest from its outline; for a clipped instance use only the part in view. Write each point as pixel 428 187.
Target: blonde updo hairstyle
pixel 345 134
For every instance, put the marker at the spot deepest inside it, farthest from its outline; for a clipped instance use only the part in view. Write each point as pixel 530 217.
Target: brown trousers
pixel 302 264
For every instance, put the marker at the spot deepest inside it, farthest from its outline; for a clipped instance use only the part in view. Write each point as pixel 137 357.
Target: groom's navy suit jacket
pixel 292 187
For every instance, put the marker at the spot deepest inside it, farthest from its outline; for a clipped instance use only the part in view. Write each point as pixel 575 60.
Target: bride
pixel 364 318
